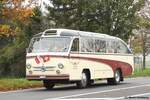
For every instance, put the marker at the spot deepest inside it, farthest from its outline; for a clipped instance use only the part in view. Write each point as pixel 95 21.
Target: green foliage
pixel 13 53
pixel 136 45
pixel 143 23
pixel 141 38
pixel 144 29
pixel 140 73
pixel 12 59
pixel 114 17
pixel 36 24
pixel 0 8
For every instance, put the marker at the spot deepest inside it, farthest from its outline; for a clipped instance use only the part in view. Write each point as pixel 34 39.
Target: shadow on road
pixel 73 87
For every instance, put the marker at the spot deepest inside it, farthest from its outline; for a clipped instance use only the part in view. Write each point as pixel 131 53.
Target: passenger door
pixel 74 53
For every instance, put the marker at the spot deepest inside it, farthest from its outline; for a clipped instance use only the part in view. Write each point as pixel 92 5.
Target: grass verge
pixel 141 73
pixel 7 84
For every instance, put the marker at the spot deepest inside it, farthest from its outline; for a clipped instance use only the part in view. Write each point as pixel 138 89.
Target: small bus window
pixel 87 44
pixel 122 48
pixel 112 46
pixel 100 45
pixel 75 45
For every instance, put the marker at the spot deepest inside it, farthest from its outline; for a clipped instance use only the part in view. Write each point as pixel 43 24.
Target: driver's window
pixel 75 45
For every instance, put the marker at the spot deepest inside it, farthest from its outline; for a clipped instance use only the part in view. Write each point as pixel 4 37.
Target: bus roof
pixel 73 33
pixel 69 32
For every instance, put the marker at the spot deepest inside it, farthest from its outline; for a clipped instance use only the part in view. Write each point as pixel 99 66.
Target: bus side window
pixel 122 48
pixel 75 45
pixel 111 46
pixel 100 45
pixel 87 44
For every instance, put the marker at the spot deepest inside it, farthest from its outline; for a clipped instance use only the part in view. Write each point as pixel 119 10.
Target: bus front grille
pixel 44 68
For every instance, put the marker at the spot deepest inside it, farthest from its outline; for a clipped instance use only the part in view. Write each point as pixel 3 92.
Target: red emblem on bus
pixel 40 59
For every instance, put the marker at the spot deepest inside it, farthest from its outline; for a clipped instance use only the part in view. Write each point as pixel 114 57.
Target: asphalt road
pixel 130 89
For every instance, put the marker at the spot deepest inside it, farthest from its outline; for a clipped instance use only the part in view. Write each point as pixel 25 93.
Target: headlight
pixel 28 66
pixel 60 65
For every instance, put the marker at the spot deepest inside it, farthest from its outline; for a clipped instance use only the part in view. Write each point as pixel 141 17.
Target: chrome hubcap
pixel 117 76
pixel 84 79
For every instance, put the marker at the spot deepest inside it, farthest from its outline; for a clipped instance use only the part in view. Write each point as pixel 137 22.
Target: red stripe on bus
pixel 125 67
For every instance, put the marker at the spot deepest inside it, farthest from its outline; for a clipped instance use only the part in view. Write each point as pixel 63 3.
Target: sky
pixel 41 3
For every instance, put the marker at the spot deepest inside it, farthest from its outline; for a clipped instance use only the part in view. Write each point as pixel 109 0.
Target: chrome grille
pixel 44 68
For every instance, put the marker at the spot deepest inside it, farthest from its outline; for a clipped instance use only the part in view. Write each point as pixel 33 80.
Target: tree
pixel 36 24
pixel 136 43
pixel 1 6
pixel 13 13
pixel 144 38
pixel 114 17
pixel 15 17
pixel 141 43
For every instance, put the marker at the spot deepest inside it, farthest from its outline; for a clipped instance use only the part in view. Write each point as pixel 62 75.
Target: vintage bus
pixel 71 56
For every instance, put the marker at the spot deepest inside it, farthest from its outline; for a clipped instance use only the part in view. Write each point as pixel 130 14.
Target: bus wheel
pixel 84 81
pixel 116 80
pixel 48 85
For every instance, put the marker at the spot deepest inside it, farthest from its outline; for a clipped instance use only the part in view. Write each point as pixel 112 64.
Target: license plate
pixel 42 76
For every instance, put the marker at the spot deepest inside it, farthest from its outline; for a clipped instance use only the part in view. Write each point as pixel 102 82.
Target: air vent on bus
pixel 50 32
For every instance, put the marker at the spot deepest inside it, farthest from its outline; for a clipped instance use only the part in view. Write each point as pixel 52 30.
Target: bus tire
pixel 48 85
pixel 117 78
pixel 90 82
pixel 84 80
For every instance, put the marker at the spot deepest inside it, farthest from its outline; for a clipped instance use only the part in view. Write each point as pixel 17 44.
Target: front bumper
pixel 48 77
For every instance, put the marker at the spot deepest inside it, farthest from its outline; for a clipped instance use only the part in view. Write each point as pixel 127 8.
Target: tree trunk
pixel 144 59
pixel 144 49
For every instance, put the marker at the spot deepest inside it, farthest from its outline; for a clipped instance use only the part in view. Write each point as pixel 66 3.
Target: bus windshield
pixel 49 44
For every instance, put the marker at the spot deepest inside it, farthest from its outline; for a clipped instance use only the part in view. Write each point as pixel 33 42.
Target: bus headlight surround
pixel 60 65
pixel 28 66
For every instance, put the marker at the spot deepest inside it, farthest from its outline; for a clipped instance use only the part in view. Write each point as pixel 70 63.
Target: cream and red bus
pixel 71 56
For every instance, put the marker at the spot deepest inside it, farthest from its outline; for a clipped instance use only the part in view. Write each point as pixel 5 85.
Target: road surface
pixel 130 89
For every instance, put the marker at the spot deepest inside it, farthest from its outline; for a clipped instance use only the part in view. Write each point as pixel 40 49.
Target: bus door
pixel 74 53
